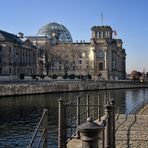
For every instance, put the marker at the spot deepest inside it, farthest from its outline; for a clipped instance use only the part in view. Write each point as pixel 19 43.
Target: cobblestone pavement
pixel 132 130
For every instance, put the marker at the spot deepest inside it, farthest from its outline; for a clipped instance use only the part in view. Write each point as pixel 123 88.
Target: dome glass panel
pixel 61 32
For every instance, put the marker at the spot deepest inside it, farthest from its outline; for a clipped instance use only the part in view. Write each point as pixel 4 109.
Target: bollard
pixel 108 128
pixel 90 133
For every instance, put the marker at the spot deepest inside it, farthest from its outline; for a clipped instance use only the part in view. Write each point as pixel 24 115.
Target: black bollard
pixel 90 133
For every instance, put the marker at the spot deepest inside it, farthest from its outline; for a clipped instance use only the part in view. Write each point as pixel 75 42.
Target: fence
pixel 75 113
pixel 40 136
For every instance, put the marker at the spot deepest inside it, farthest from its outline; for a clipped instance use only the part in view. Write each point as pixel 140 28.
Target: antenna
pixel 102 18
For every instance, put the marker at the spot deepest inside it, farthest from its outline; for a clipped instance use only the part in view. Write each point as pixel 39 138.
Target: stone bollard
pixel 90 133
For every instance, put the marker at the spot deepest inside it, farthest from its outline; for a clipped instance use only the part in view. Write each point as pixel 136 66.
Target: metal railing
pixel 40 136
pixel 100 134
pixel 75 113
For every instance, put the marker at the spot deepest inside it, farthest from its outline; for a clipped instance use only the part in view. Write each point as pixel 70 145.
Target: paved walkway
pixel 131 131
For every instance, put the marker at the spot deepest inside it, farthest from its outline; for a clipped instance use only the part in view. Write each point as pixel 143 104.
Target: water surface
pixel 20 115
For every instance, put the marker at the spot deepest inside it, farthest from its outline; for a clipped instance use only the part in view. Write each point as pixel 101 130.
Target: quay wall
pixel 17 88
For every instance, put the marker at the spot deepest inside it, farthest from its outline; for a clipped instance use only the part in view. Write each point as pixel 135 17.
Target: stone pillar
pixel 105 58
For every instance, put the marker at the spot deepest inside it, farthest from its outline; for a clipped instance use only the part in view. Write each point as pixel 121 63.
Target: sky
pixel 128 17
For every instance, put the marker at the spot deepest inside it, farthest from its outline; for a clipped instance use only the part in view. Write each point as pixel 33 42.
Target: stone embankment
pixel 36 87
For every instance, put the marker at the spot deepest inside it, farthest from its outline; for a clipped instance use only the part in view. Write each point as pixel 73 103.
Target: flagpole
pixel 102 18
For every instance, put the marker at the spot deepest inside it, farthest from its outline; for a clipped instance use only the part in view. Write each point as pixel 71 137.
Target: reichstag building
pixel 103 57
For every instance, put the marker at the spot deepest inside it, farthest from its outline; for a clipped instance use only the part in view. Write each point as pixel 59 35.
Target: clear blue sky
pixel 128 17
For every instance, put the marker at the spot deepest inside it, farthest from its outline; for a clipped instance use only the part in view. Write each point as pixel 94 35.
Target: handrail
pixel 43 138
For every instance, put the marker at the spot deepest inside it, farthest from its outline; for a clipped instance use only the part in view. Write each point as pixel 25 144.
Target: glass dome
pixel 58 30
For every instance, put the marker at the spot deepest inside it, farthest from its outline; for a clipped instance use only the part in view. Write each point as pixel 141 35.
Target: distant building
pixel 17 55
pixel 110 57
pixel 103 57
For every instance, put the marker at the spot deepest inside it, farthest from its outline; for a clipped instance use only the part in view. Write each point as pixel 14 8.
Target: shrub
pixel 42 76
pixel 72 76
pixel 22 76
pixel 54 76
pixel 89 76
pixel 65 76
pixel 33 76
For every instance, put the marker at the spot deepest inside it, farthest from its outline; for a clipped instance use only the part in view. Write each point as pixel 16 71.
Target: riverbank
pixel 40 87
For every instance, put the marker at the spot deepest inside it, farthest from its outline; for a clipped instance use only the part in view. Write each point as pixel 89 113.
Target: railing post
pixel 108 128
pixel 64 127
pixel 99 113
pixel 105 98
pixel 60 124
pixel 45 125
pixel 78 117
pixel 88 113
pixel 112 101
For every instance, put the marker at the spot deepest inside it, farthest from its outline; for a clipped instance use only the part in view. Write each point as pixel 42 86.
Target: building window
pixel 80 61
pixel 100 66
pixel 98 34
pixel 73 68
pixel 0 48
pixel 100 54
pixel 60 68
pixel 60 62
pixel 80 56
pixel 10 71
pixel 66 62
pixel 9 49
pixel 0 70
pixel 102 34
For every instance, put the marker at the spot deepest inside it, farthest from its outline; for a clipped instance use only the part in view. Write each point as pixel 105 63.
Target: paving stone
pixel 131 131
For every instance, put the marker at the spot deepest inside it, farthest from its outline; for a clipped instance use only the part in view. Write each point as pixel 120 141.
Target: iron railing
pixel 75 113
pixel 40 136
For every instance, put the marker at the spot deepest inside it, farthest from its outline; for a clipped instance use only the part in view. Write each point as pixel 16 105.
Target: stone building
pixel 103 57
pixel 17 55
pixel 109 56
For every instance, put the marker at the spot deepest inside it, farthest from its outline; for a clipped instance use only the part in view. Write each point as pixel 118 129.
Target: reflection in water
pixel 20 115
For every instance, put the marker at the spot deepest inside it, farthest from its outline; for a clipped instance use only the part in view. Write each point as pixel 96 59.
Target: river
pixel 20 115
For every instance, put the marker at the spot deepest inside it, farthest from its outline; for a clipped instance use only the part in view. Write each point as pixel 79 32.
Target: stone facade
pixel 102 58
pixel 17 55
pixel 109 57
